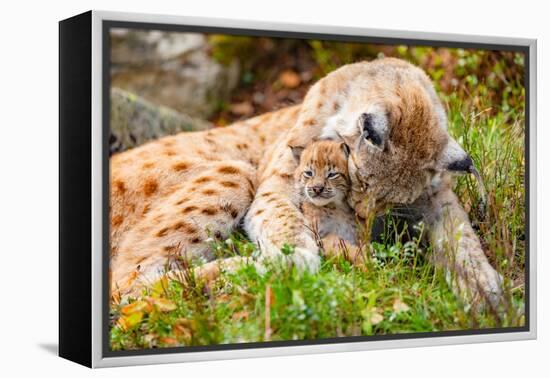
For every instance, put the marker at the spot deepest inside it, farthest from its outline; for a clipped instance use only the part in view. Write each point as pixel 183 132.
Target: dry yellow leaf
pixel 290 79
pixel 188 323
pixel 240 315
pixel 137 306
pixel 400 306
pixel 164 305
pixel 376 318
pixel 159 288
pixel 244 108
pixel 168 341
pixel 183 329
pixel 130 321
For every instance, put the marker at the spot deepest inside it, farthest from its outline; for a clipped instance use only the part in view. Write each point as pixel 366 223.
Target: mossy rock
pixel 135 121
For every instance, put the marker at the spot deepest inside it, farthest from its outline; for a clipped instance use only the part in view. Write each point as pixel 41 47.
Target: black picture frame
pixel 77 283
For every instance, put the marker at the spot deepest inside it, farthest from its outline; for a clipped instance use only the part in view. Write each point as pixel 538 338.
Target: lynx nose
pixel 317 189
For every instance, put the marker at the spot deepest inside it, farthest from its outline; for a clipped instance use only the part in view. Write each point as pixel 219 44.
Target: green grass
pixel 397 290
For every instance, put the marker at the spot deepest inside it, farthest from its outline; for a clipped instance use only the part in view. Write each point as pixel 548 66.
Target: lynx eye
pixel 333 175
pixel 308 173
pixel 369 132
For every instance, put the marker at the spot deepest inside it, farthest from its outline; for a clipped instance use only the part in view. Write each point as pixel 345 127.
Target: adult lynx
pixel 169 196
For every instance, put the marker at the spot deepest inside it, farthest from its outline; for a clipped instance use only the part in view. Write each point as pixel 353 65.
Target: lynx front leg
pixel 334 246
pixel 274 220
pixel 457 248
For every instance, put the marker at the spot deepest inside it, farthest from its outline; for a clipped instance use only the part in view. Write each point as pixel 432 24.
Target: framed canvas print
pixel 235 189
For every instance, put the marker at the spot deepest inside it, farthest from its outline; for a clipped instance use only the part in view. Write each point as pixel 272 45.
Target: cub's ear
pixel 345 148
pixel 297 152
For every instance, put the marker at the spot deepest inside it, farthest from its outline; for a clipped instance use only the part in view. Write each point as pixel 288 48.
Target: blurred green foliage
pixel 495 76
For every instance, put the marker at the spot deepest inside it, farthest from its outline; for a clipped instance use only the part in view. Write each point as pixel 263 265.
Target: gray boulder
pixel 171 69
pixel 135 121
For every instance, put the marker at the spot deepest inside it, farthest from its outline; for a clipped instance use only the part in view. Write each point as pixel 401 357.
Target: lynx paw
pixel 306 259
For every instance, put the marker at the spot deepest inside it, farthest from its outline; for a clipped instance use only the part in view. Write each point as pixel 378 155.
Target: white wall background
pixel 29 174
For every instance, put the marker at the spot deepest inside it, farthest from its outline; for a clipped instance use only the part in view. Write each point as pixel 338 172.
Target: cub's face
pixel 322 173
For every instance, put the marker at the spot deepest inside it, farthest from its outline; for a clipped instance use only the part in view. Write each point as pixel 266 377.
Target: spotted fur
pixel 169 195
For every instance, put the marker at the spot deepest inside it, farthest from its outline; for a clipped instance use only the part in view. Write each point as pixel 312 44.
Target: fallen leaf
pixel 130 321
pixel 306 76
pixel 182 332
pixel 376 318
pixel 159 288
pixel 244 108
pixel 223 298
pixel 245 296
pixel 189 323
pixel 236 302
pixel 240 315
pixel 168 340
pixel 400 306
pixel 164 305
pixel 289 79
pixel 116 298
pixel 137 306
pixel 150 339
pixel 372 315
pixel 183 329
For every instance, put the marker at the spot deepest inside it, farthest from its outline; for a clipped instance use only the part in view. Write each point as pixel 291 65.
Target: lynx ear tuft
pixel 297 152
pixel 345 140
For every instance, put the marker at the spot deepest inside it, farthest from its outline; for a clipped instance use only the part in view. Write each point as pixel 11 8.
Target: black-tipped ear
pixel 455 159
pixel 297 152
pixel 345 148
pixel 369 132
pixel 464 165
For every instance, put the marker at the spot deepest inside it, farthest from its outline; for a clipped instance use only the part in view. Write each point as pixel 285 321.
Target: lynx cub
pixel 323 184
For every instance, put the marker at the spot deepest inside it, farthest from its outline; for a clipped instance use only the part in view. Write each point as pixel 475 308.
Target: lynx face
pixel 397 149
pixel 388 113
pixel 322 174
